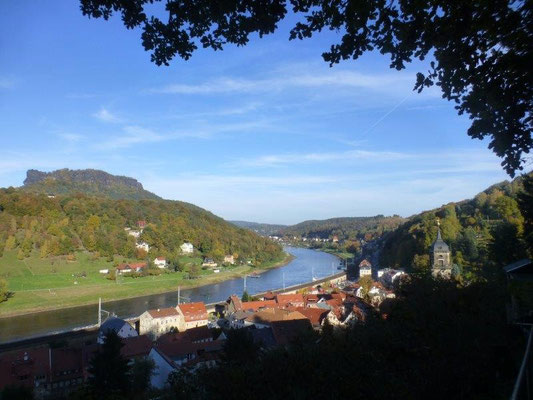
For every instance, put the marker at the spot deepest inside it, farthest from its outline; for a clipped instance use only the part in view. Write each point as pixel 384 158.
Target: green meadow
pixel 39 284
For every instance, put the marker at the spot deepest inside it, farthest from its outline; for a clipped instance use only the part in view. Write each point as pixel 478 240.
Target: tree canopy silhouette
pixel 481 50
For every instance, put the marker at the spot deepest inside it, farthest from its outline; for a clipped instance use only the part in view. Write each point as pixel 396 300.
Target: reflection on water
pixel 306 265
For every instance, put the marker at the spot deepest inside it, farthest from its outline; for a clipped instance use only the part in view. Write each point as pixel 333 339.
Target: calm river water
pixel 306 265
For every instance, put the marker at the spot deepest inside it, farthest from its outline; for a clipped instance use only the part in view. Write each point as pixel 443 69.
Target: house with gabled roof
pixel 294 300
pixel 265 317
pixel 194 314
pixel 258 305
pixel 131 267
pixel 159 321
pixel 122 328
pixel 160 262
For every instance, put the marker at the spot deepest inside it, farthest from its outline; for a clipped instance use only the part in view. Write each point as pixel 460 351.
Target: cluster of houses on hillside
pixel 160 262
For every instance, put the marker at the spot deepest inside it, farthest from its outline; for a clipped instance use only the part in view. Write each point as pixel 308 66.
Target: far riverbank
pixel 37 301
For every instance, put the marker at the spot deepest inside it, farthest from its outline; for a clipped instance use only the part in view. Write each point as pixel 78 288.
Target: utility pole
pixel 100 311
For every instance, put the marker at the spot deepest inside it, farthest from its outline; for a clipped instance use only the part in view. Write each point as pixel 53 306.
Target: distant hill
pixel 91 209
pixel 344 228
pixel 87 181
pixel 483 231
pixel 262 229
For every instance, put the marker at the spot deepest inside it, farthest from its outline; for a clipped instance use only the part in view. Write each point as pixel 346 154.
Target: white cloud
pixel 6 83
pixel 71 137
pixel 134 135
pixel 303 158
pixel 106 116
pixel 313 79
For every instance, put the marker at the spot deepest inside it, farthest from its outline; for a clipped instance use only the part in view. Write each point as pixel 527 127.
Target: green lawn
pixel 40 284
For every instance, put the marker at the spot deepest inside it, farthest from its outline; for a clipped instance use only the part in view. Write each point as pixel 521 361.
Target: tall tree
pixel 525 202
pixel 109 370
pixel 481 50
pixel 4 292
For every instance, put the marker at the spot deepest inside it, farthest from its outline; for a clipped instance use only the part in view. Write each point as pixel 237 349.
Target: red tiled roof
pixel 136 346
pixel 193 311
pixel 131 265
pixel 257 305
pixel 161 258
pixel 66 363
pixel 269 296
pixel 192 335
pixel 237 304
pixel 164 312
pixel 181 348
pixel 26 363
pixel 311 298
pixel 290 299
pixel 315 315
pixel 268 315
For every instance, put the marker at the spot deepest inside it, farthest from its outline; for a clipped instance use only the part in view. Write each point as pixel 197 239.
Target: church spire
pixel 439 237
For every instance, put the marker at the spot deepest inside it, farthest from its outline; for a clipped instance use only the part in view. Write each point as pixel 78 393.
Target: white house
pixel 160 262
pixel 187 248
pixel 194 314
pixel 164 366
pixel 158 322
pixel 365 268
pixel 209 262
pixel 121 327
pixel 135 234
pixel 229 259
pixel 143 245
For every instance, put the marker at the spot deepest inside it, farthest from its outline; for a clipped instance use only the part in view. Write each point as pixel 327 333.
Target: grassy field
pixel 40 284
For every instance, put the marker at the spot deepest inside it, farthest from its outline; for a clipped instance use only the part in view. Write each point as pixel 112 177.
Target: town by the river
pixel 306 266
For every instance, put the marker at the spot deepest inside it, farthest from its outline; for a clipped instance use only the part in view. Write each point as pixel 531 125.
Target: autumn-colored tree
pixel 4 293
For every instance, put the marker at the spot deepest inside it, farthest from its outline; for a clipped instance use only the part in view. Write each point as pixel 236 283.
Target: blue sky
pixel 266 133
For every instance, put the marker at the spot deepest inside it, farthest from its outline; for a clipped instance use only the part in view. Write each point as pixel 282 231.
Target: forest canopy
pixel 64 224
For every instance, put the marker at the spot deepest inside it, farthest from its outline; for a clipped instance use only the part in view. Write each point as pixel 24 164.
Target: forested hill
pixel 38 225
pixel 88 181
pixel 262 229
pixel 344 228
pixel 489 230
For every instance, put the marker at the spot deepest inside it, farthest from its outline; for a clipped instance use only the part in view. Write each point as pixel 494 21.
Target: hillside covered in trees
pixel 348 228
pixel 262 229
pixel 492 229
pixel 34 223
pixel 88 181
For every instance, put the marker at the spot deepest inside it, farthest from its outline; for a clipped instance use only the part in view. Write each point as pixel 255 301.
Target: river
pixel 306 265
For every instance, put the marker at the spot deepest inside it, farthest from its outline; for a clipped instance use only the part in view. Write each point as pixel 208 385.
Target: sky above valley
pixel 267 132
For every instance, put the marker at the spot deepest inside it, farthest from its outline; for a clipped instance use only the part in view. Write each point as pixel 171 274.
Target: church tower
pixel 441 253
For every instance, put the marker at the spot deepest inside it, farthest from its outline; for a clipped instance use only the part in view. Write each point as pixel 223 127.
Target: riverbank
pixel 37 300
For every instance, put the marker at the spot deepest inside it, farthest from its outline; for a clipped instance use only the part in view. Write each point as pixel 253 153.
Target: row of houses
pixel 180 318
pixel 181 337
pixel 337 308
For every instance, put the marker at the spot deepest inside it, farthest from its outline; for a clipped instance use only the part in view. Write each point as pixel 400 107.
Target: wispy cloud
pixel 6 83
pixel 329 79
pixel 134 135
pixel 71 137
pixel 105 115
pixel 304 158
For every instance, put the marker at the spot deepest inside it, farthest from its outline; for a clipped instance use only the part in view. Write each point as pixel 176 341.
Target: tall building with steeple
pixel 441 253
